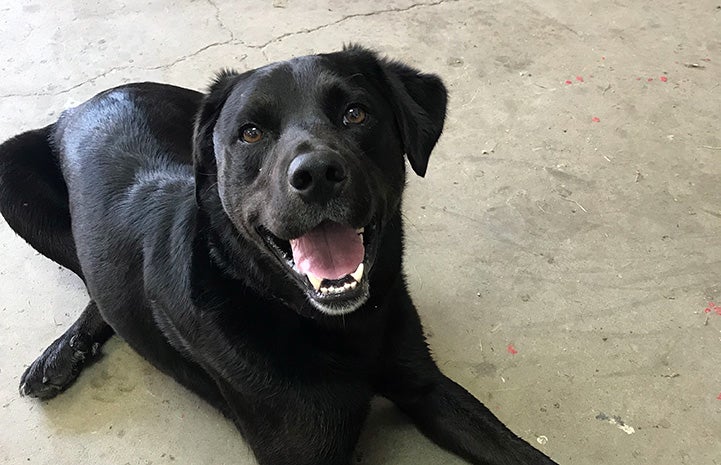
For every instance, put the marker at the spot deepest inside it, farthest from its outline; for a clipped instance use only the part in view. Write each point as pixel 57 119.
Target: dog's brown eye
pixel 354 115
pixel 251 134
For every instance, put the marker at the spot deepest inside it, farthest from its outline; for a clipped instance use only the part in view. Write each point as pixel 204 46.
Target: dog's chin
pixel 341 305
pixel 332 297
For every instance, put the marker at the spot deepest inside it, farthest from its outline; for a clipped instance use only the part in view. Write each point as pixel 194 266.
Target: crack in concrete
pixel 190 55
pixel 345 18
pixel 65 91
pixel 122 68
pixel 551 19
pixel 219 20
pixel 231 41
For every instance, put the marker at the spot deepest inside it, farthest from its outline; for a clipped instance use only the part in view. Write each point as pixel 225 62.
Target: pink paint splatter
pixel 706 59
pixel 649 79
pixel 511 350
pixel 638 78
pixel 596 119
pixel 664 79
pixel 719 397
pixel 603 57
pixel 568 82
pixel 579 78
pixel 712 307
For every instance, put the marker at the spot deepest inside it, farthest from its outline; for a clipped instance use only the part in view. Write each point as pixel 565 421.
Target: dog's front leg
pixel 443 410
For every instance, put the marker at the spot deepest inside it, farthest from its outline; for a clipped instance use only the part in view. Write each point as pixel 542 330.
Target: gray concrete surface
pixel 591 248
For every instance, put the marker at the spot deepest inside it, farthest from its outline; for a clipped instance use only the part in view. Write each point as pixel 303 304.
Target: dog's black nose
pixel 317 176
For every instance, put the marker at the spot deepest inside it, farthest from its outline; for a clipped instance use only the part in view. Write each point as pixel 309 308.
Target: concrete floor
pixel 563 249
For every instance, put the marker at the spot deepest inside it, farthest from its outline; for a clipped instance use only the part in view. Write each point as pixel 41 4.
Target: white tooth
pixel 358 273
pixel 314 280
pixel 323 290
pixel 353 285
pixel 360 230
pixel 346 286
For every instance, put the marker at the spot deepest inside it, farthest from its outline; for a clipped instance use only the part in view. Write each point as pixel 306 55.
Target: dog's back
pixel 125 157
pixel 34 193
pixel 113 138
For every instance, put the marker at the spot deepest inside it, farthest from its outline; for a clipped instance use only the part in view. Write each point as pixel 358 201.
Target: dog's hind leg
pixel 61 363
pixel 34 196
pixel 34 202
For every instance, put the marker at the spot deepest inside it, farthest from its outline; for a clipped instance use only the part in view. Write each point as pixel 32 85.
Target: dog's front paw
pixel 57 368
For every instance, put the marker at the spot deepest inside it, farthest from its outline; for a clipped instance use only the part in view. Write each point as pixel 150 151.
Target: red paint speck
pixel 511 350
pixel 603 58
pixel 706 59
pixel 712 307
pixel 719 397
pixel 596 119
pixel 569 82
pixel 638 78
pixel 649 79
pixel 579 78
pixel 664 79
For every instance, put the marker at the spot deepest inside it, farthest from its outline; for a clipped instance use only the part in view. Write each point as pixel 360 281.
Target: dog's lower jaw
pixel 343 307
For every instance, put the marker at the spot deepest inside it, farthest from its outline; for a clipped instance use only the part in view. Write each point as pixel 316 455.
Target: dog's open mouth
pixel 331 261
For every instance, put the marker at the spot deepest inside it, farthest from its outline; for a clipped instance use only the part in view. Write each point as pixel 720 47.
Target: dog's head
pixel 306 158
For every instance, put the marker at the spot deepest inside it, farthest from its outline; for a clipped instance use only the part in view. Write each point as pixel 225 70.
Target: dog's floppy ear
pixel 419 103
pixel 203 150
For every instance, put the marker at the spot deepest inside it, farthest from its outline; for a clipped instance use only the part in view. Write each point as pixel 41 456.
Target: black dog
pixel 257 262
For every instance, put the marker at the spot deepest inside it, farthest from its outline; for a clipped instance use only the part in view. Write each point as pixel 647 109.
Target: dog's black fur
pixel 179 240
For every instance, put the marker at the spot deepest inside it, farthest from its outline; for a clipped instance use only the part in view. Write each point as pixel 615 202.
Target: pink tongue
pixel 330 251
